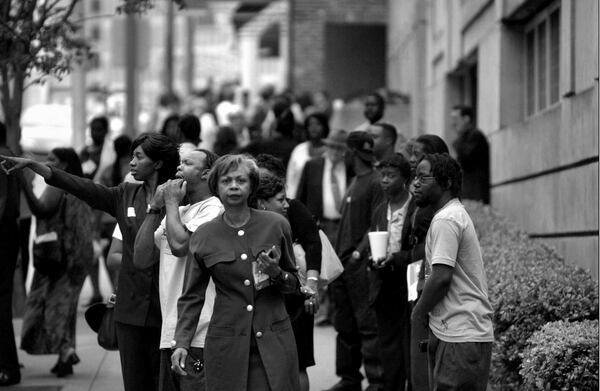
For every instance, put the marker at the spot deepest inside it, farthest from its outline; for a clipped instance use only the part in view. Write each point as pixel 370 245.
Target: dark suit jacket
pixel 310 187
pixel 137 302
pixel 389 284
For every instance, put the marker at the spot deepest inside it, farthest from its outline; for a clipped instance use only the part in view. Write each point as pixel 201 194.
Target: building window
pixel 95 6
pixel 95 33
pixel 542 60
pixel 269 42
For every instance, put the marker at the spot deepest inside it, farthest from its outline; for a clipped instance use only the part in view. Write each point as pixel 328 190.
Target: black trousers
pixel 463 366
pixel 9 250
pixel 393 326
pixel 140 356
pixel 356 325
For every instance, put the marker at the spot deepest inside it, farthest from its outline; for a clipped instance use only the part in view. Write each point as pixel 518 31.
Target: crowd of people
pixel 198 230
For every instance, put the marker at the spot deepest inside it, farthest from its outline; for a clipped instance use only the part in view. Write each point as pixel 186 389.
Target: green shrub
pixel 562 356
pixel 529 285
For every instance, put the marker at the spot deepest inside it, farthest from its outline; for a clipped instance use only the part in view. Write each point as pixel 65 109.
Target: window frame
pixel 543 18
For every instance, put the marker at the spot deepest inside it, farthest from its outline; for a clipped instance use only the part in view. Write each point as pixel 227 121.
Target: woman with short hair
pixel 248 253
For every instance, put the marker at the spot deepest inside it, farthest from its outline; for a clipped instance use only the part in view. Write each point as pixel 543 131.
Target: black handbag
pixel 107 333
pixel 101 318
pixel 48 251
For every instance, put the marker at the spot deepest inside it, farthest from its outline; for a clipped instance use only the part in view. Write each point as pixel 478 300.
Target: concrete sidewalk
pixel 100 370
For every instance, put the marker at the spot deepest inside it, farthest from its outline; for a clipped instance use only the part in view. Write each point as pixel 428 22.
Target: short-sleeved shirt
pixel 172 270
pixel 465 313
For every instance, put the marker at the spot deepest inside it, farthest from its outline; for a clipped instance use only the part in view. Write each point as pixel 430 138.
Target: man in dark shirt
pixel 354 320
pixel 473 155
pixel 9 250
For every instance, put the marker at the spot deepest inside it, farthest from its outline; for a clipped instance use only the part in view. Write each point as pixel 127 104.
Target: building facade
pixel 529 68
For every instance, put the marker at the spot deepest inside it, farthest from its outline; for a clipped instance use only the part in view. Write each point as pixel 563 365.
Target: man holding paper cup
pixel 390 245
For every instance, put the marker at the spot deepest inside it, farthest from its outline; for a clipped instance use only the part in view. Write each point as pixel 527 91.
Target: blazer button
pixel 258 334
pixel 247 282
pixel 241 232
pixel 249 308
pixel 244 257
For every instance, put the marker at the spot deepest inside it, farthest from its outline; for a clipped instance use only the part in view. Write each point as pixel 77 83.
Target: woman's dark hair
pixel 272 164
pixel 322 119
pixel 172 117
pixel 159 147
pixel 189 126
pixel 446 170
pixel 69 156
pixel 225 164
pixel 122 146
pixel 268 186
pixel 226 141
pixel 399 162
pixel 285 124
pixel 432 143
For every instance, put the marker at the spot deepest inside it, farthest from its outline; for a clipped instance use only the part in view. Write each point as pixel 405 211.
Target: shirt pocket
pixel 219 257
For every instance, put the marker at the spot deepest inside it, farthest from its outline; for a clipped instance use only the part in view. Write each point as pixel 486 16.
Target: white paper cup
pixel 378 241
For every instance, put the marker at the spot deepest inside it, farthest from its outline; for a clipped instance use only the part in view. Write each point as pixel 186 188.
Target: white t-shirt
pixel 465 313
pixel 172 270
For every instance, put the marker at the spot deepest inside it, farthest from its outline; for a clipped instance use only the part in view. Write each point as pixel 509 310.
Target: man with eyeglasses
pixel 454 302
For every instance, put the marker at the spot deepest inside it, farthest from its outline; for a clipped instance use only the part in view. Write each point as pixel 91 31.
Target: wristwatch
pixel 356 254
pixel 153 211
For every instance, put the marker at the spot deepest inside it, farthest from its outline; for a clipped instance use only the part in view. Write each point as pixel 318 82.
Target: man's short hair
pixel 102 121
pixel 464 110
pixel 445 169
pixel 378 98
pixel 209 157
pixel 389 129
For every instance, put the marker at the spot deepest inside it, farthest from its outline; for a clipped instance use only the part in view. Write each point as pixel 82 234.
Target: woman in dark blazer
pixel 137 311
pixel 248 253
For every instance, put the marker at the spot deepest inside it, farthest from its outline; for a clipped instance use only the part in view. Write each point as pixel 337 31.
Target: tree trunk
pixel 12 105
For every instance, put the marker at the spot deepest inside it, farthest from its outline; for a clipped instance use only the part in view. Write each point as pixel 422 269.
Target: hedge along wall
pixel 529 285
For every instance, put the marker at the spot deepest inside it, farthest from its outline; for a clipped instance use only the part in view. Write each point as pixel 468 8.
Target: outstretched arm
pixel 96 195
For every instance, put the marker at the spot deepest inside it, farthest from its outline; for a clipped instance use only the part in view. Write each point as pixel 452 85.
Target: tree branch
pixel 69 10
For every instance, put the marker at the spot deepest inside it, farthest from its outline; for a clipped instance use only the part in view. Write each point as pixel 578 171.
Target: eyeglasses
pixel 423 178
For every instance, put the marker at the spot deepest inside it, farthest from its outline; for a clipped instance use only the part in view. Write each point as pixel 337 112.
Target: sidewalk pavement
pixel 100 370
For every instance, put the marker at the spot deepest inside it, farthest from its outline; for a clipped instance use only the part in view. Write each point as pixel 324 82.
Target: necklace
pixel 230 223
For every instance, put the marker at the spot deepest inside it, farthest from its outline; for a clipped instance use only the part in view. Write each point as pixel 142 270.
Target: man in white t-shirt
pixel 170 236
pixel 454 301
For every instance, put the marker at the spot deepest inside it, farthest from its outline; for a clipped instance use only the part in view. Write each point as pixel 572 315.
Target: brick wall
pixel 308 34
